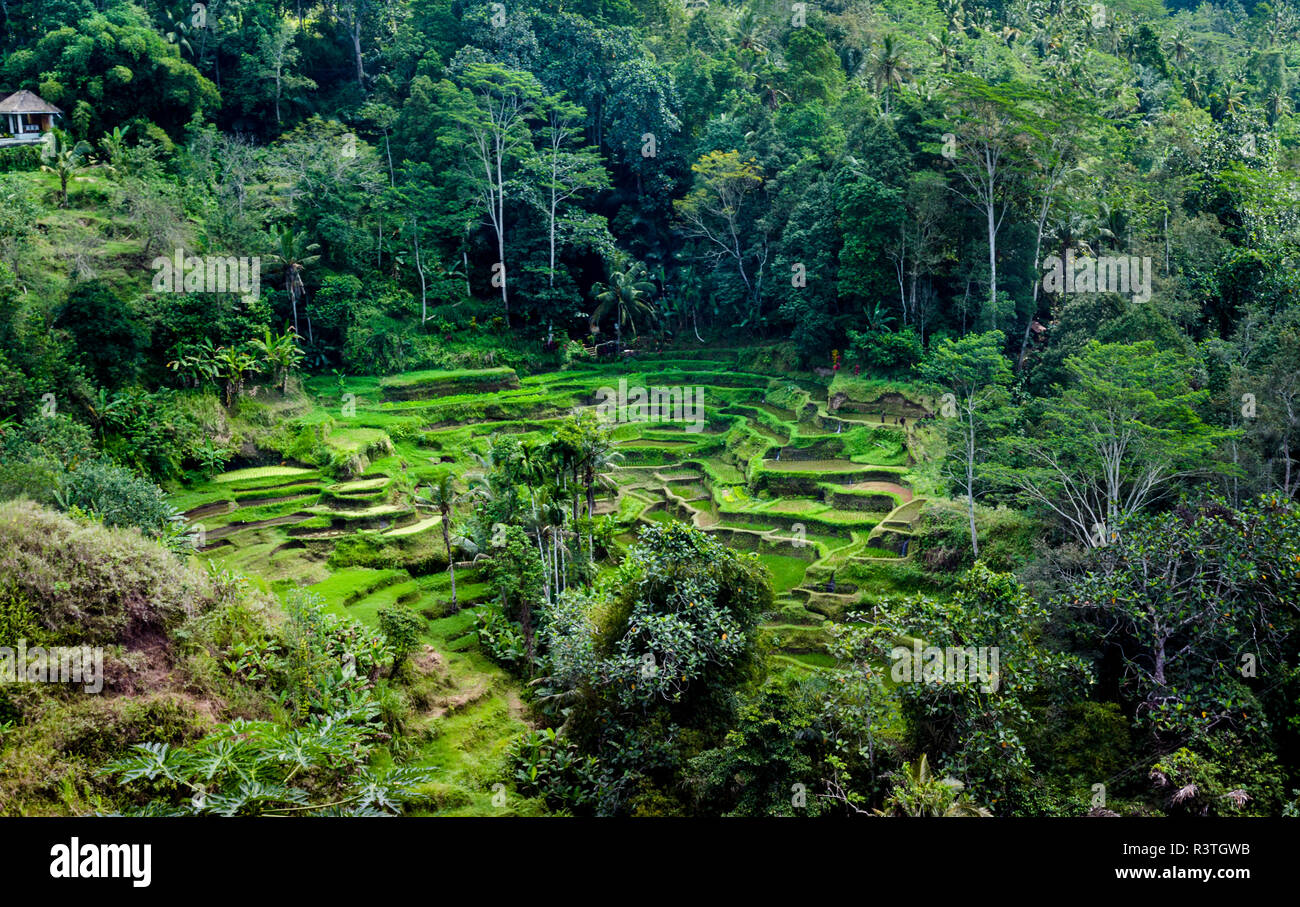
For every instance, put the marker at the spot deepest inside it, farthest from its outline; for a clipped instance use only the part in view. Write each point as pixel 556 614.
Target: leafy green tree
pixel 108 334
pixel 568 171
pixel 1180 596
pixel 663 646
pixel 777 742
pixel 974 376
pixel 977 726
pixel 1115 439
pixel 107 67
pixel 990 125
pixel 718 212
pixel 403 628
pixel 489 119
pixel 279 57
pixel 517 579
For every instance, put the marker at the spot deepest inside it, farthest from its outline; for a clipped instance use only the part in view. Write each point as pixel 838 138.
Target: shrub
pixel 886 352
pixel 116 496
pixel 23 158
pixel 402 627
pixel 91 585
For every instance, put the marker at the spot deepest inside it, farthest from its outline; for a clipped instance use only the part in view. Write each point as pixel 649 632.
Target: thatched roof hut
pixel 25 116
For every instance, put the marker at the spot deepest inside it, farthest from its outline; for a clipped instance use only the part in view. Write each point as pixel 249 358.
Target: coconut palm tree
pixel 442 496
pixel 1194 79
pixel 954 15
pixel 945 45
pixel 1277 104
pixel 293 254
pixel 627 294
pixel 888 68
pixel 1233 97
pixel 598 456
pixel 748 35
pixel 1178 46
pixel 65 159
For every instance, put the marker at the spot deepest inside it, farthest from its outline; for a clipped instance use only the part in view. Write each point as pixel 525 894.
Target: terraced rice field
pixel 770 471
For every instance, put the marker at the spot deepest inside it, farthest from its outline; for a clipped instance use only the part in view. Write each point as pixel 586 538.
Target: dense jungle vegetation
pixel 327 331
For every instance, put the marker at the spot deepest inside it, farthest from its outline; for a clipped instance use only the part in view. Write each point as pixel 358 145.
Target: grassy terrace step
pixel 383 516
pixel 218 533
pixel 359 486
pixel 415 528
pixel 794 638
pixel 805 662
pixel 351 584
pixel 819 467
pixel 261 472
pixel 702 377
pixel 442 383
pixel 401 592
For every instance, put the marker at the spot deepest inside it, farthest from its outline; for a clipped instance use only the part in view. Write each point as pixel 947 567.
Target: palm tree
pixel 293 254
pixel 598 455
pixel 954 14
pixel 748 35
pixel 1194 79
pixel 442 495
pixel 627 294
pixel 888 68
pixel 1277 104
pixel 1178 46
pixel 946 47
pixel 769 83
pixel 65 159
pixel 1233 97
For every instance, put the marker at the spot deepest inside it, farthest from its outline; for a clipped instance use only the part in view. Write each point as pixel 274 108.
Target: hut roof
pixel 26 102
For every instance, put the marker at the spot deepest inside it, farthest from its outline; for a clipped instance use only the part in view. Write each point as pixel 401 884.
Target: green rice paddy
pixel 772 472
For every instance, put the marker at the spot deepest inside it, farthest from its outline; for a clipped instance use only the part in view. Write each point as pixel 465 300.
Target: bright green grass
pixel 432 376
pixel 350 584
pixel 261 472
pixel 787 572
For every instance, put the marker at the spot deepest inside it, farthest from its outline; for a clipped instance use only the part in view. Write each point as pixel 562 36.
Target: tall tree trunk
pixel 356 47
pixel 501 232
pixel 293 300
pixel 993 259
pixel 419 267
pixel 970 480
pixel 451 561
